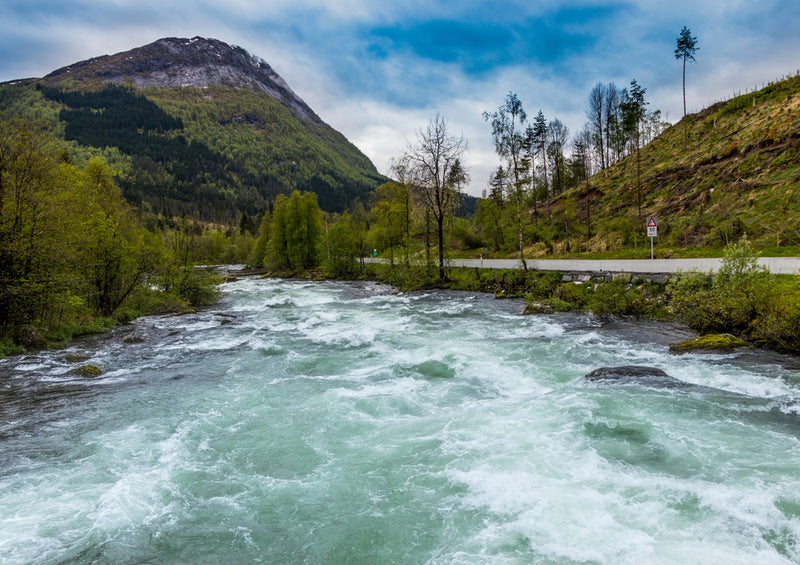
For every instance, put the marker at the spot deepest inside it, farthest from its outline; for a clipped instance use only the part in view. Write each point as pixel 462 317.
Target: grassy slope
pixel 739 175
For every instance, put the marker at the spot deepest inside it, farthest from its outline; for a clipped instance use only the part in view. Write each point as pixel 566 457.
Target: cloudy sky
pixel 378 71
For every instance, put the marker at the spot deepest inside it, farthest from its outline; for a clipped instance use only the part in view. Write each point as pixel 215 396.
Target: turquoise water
pixel 304 422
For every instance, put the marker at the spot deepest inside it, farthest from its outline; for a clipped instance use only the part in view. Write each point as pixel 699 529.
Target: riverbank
pixel 740 297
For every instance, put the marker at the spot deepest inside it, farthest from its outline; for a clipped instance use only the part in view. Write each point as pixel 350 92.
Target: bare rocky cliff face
pixel 196 62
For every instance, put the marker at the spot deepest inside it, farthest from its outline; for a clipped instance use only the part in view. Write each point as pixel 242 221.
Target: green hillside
pixel 738 175
pixel 213 153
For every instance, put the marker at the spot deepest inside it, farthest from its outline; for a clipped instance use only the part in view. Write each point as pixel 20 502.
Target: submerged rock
pixel 536 307
pixel 76 358
pixel 709 343
pixel 635 374
pixel 133 339
pixel 87 371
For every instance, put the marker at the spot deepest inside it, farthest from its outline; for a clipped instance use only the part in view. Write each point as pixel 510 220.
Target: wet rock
pixel 532 308
pixel 635 374
pixel 711 343
pixel 133 339
pixel 87 371
pixel 75 358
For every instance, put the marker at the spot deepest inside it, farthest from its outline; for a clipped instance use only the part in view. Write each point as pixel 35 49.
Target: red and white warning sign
pixel 652 227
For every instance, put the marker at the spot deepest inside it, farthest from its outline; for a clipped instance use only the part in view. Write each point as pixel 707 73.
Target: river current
pixel 306 422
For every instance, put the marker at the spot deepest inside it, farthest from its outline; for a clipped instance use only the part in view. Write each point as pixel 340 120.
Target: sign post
pixel 652 231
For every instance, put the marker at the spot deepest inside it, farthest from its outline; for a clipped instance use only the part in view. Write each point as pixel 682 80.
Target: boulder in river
pixel 87 371
pixel 713 343
pixel 635 374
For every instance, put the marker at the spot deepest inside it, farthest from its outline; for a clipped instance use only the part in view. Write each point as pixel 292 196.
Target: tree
pixel 343 249
pixel 390 216
pixel 489 213
pixel 633 114
pixel 596 122
pixel 116 254
pixel 686 47
pixel 557 140
pixel 277 256
pixel 303 230
pixel 259 251
pixel 611 118
pixel 431 159
pixel 509 143
pixel 457 178
pixel 539 141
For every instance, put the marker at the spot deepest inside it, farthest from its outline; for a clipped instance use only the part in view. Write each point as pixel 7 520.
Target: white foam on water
pixel 336 422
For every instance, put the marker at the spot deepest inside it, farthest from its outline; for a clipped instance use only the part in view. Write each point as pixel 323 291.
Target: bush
pixel 198 287
pixel 617 299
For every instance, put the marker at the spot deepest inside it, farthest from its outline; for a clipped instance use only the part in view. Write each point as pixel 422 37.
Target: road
pixel 776 265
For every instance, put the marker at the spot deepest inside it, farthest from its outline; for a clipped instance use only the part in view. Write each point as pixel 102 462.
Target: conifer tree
pixel 686 47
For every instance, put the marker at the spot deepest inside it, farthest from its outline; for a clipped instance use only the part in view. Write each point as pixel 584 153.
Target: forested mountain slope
pixel 739 174
pixel 195 127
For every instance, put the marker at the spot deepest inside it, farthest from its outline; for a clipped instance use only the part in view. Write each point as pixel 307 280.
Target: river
pixel 307 422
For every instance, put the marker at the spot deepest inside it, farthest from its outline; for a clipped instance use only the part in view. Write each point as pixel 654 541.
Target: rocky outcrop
pixel 87 371
pixel 635 374
pixel 197 62
pixel 710 343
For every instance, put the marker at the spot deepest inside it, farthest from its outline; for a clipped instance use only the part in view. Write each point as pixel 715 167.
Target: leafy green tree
pixel 390 213
pixel 509 143
pixel 259 251
pixel 295 232
pixel 686 47
pixel 343 249
pixel 116 253
pixel 36 206
pixel 277 256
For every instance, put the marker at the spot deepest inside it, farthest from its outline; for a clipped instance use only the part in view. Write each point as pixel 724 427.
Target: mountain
pixel 185 63
pixel 195 127
pixel 738 175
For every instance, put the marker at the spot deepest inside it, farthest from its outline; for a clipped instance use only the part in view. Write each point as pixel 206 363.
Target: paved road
pixel 777 265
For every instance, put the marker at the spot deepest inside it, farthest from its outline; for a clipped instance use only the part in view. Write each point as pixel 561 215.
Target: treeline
pixel 540 163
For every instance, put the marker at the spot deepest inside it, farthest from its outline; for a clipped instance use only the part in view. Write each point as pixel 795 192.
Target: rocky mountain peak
pixel 197 62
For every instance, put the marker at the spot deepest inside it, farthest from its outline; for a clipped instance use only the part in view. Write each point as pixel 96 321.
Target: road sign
pixel 652 227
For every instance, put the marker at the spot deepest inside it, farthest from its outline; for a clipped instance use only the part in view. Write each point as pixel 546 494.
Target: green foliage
pixel 343 249
pixel 741 298
pixel 76 258
pixel 295 233
pixel 730 300
pixel 259 252
pixel 617 299
pixel 199 287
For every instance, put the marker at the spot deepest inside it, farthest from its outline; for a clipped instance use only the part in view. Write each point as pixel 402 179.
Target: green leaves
pixel 295 233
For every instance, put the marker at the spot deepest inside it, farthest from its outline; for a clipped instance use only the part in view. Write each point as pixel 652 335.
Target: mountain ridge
pixel 195 127
pixel 174 62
